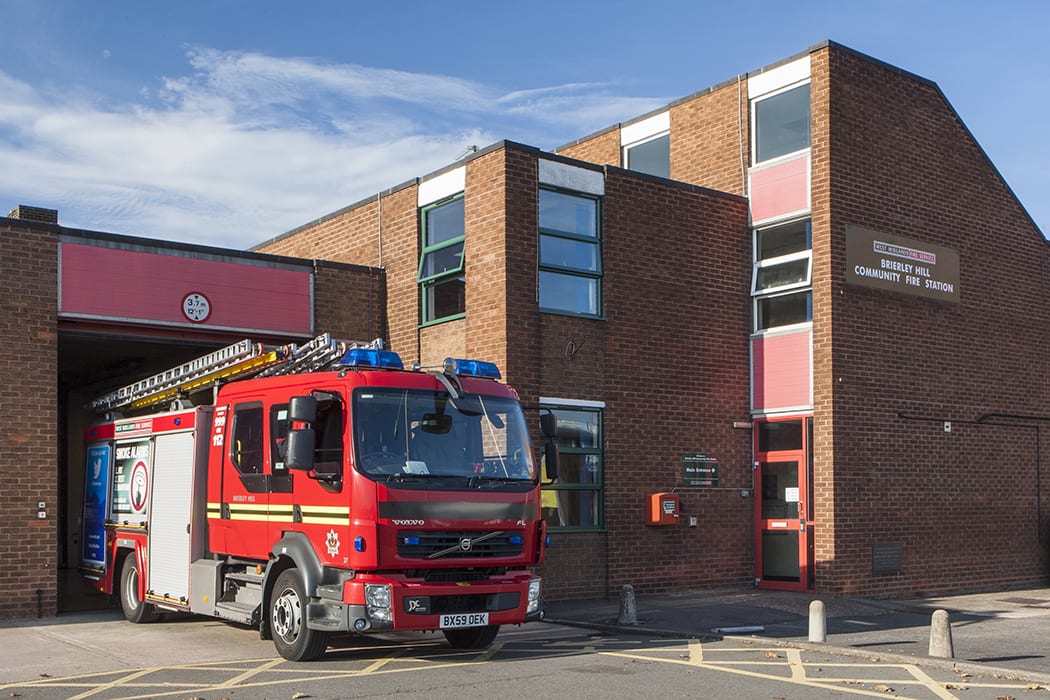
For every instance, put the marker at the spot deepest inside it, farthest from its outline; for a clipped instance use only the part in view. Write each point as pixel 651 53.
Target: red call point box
pixel 661 509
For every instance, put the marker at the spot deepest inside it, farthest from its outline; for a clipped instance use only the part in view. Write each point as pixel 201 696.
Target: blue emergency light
pixel 472 368
pixel 366 357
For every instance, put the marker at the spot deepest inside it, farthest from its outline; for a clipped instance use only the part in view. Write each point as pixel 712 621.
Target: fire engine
pixel 316 490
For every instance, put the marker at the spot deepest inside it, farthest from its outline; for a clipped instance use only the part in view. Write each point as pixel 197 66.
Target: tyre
pixel 135 609
pixel 472 637
pixel 293 639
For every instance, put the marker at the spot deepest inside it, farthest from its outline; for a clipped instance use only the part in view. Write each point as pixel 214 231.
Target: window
pixel 781 123
pixel 570 253
pixel 441 278
pixel 246 452
pixel 782 270
pixel 652 156
pixel 574 499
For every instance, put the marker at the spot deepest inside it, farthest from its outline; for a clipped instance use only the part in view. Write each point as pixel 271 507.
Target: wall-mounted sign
pixel 885 261
pixel 196 307
pixel 699 469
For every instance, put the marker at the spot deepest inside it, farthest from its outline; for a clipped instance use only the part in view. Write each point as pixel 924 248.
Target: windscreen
pixel 400 434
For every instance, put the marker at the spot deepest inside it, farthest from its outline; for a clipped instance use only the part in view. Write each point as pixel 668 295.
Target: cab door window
pixel 246 448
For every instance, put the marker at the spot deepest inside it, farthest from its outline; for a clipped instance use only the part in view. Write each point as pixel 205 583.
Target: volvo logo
pixel 465 544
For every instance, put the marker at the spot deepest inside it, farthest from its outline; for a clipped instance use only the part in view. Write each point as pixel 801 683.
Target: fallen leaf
pixel 772 655
pixel 299 695
pixel 1033 686
pixel 45 675
pixel 883 688
pixel 955 686
pixel 1004 697
pixel 851 682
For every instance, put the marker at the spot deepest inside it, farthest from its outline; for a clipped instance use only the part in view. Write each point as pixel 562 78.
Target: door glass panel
pixel 780 555
pixel 780 490
pixel 780 435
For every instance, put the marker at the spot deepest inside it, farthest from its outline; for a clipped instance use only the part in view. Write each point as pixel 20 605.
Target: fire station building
pixel 789 324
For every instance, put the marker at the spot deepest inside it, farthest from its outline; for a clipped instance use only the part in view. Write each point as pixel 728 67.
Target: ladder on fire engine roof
pixel 242 360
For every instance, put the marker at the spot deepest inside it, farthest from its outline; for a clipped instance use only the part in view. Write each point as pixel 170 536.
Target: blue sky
pixel 227 122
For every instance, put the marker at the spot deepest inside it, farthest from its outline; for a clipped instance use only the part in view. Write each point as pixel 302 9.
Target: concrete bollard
pixel 818 630
pixel 628 611
pixel 941 635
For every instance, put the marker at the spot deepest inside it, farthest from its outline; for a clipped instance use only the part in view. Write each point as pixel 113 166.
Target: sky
pixel 229 122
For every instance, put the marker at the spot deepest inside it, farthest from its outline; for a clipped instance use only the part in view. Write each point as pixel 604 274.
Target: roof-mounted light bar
pixel 376 359
pixel 471 368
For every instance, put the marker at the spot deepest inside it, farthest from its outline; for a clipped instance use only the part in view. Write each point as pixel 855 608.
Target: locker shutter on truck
pixel 170 515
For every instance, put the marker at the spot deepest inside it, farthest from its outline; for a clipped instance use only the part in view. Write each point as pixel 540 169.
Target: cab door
pixel 783 512
pixel 245 482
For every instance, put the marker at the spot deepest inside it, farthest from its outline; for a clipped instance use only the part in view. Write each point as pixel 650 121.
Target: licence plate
pixel 464 620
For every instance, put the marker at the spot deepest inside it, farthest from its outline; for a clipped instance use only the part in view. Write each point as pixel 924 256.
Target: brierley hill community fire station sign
pixel 885 261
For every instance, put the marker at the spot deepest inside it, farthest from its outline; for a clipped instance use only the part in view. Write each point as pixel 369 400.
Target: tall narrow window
pixel 441 279
pixel 574 500
pixel 570 253
pixel 780 281
pixel 652 156
pixel 781 123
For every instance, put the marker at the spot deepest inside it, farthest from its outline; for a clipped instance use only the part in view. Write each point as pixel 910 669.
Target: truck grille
pixel 458 545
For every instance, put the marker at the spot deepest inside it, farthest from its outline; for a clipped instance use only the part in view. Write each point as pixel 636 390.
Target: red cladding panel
pixel 127 285
pixel 780 189
pixel 782 371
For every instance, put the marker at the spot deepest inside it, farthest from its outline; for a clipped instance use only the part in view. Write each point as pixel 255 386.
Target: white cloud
pixel 247 146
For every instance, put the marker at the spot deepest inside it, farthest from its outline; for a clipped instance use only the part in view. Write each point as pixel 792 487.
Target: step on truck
pixel 317 490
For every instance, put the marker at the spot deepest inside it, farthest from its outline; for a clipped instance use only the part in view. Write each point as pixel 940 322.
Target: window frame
pixel 597 488
pixel 803 286
pixel 626 153
pixel 754 123
pixel 569 271
pixel 428 283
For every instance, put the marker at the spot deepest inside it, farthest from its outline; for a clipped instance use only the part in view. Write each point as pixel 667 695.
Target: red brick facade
pixel 28 390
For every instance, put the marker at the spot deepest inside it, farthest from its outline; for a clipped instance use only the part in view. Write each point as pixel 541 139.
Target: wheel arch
pixel 293 550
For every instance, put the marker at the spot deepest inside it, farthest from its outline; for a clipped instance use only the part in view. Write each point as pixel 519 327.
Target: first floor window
pixel 441 280
pixel 570 253
pixel 782 274
pixel 781 123
pixel 574 499
pixel 652 156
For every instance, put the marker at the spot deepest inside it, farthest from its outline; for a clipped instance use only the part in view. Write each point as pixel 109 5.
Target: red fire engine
pixel 323 489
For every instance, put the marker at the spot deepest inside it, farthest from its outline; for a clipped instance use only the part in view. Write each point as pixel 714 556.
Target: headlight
pixel 378 597
pixel 534 596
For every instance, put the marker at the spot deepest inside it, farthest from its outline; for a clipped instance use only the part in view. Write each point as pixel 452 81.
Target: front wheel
pixel 135 609
pixel 471 637
pixel 293 639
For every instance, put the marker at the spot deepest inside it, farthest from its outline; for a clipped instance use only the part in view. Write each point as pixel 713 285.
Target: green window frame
pixel 442 283
pixel 570 256
pixel 575 500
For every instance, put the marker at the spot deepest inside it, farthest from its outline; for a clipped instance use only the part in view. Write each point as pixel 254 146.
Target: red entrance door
pixel 783 515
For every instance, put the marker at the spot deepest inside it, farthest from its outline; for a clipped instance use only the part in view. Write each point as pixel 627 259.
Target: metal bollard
pixel 941 635
pixel 628 611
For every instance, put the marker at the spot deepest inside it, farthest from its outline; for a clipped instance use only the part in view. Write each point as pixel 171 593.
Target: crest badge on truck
pixel 332 543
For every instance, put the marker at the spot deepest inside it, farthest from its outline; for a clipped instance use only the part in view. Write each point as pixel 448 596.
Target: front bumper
pixel 419 606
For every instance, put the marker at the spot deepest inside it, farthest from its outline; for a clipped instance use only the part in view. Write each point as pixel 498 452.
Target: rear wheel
pixel 293 639
pixel 135 609
pixel 472 637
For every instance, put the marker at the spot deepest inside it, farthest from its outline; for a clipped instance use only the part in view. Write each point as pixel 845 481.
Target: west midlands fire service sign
pixel 896 264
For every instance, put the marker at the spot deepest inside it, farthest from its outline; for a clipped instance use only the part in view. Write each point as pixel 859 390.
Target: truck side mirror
pixel 302 409
pixel 549 425
pixel 551 457
pixel 299 452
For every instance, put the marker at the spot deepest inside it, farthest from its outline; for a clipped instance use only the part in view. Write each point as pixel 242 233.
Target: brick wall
pixel 350 301
pixel 670 362
pixel 28 403
pixel 891 155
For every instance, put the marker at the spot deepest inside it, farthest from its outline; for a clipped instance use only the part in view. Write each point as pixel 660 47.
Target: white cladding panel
pixel 442 186
pixel 777 78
